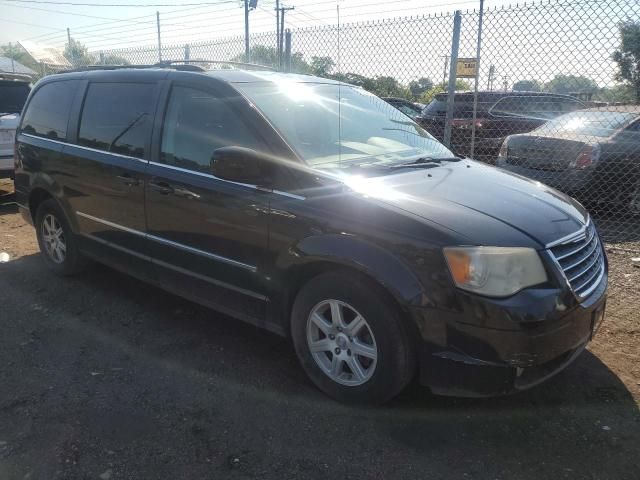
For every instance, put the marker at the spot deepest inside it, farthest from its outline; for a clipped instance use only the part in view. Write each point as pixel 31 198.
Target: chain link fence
pixel 557 95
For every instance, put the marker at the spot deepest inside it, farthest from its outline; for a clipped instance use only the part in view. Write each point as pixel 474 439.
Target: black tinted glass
pixel 196 124
pixel 48 112
pixel 116 117
pixel 13 95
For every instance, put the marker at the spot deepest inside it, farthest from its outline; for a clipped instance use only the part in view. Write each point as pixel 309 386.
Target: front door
pixel 207 236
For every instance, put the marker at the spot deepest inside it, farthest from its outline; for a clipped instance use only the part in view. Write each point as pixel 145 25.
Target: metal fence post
pixel 287 51
pixel 475 87
pixel 101 57
pixel 187 53
pixel 455 44
pixel 159 44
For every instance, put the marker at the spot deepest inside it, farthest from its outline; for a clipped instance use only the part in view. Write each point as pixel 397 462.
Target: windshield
pixel 13 95
pixel 596 124
pixel 332 126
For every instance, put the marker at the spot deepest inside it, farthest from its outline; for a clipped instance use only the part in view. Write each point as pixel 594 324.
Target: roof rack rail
pixel 88 68
pixel 220 62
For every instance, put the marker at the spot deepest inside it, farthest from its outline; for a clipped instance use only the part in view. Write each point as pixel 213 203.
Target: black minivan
pixel 318 211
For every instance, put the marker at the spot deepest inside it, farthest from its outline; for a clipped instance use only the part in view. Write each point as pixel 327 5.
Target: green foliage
pixel 115 60
pixel 628 56
pixel 418 87
pixel 321 66
pixel 566 84
pixel 268 56
pixel 77 54
pixel 622 94
pixel 427 96
pixel 527 86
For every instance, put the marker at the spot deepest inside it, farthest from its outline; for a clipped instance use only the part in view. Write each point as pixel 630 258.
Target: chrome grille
pixel 581 259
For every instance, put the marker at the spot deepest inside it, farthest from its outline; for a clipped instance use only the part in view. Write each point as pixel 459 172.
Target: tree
pixel 268 56
pixel 527 86
pixel 115 60
pixel 418 87
pixel 431 93
pixel 77 54
pixel 628 56
pixel 321 66
pixel 570 84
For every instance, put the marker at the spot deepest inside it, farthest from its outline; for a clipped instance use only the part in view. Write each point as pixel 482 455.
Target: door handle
pixel 163 188
pixel 128 180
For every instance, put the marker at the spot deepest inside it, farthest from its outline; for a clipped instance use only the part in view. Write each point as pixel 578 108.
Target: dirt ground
pixel 104 377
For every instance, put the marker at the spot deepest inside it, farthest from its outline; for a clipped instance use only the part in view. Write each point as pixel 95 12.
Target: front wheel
pixel 351 339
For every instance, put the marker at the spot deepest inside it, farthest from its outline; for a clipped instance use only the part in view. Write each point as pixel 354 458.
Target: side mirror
pixel 242 165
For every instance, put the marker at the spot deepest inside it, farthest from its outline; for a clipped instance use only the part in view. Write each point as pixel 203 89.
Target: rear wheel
pixel 351 339
pixel 57 242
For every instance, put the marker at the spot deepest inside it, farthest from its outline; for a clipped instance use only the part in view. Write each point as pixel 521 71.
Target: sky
pixel 185 21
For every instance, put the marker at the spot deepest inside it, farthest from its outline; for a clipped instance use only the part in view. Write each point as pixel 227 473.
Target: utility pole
pixel 281 39
pixel 159 44
pixel 71 50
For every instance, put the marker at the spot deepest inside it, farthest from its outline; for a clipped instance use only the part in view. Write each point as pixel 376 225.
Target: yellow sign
pixel 466 68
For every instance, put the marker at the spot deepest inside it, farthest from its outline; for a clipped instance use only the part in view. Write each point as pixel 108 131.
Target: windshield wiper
pixel 425 162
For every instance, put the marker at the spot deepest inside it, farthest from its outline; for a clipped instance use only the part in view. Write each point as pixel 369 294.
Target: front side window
pixel 196 124
pixel 337 126
pixel 47 114
pixel 117 117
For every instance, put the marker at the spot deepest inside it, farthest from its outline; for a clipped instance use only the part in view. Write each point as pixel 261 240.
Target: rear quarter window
pixel 47 113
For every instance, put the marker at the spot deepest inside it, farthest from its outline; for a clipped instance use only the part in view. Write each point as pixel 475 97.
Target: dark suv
pixel 318 211
pixel 499 114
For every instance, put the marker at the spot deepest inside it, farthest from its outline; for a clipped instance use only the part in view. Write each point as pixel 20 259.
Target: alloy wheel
pixel 54 240
pixel 341 342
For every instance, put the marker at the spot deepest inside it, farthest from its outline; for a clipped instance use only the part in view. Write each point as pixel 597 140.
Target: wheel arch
pixel 317 255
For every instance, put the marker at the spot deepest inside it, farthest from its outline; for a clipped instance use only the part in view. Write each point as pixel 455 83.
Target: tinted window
pixel 13 95
pixel 535 106
pixel 196 124
pixel 116 117
pixel 597 124
pixel 48 111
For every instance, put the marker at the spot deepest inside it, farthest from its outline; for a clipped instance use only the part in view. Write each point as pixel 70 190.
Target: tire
pixel 384 331
pixel 53 230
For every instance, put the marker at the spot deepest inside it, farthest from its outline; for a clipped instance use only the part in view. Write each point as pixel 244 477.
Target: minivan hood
pixel 487 205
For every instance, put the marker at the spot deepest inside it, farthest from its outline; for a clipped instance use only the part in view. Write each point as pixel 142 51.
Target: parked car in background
pixel 410 109
pixel 318 211
pixel 498 115
pixel 591 154
pixel 14 90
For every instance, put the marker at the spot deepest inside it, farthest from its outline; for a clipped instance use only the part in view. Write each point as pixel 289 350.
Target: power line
pixel 75 4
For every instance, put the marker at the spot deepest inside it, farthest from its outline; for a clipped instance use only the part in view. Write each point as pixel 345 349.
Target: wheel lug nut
pixel 339 329
pixel 332 337
pixel 337 350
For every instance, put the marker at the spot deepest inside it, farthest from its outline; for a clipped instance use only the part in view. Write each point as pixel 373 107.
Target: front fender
pixel 366 257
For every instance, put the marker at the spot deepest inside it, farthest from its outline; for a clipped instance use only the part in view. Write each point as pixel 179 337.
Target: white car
pixel 14 90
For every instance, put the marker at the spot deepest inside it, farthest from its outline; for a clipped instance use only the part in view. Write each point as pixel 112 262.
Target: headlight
pixel 495 271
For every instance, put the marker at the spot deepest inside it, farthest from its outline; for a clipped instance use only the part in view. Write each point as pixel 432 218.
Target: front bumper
pixel 467 360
